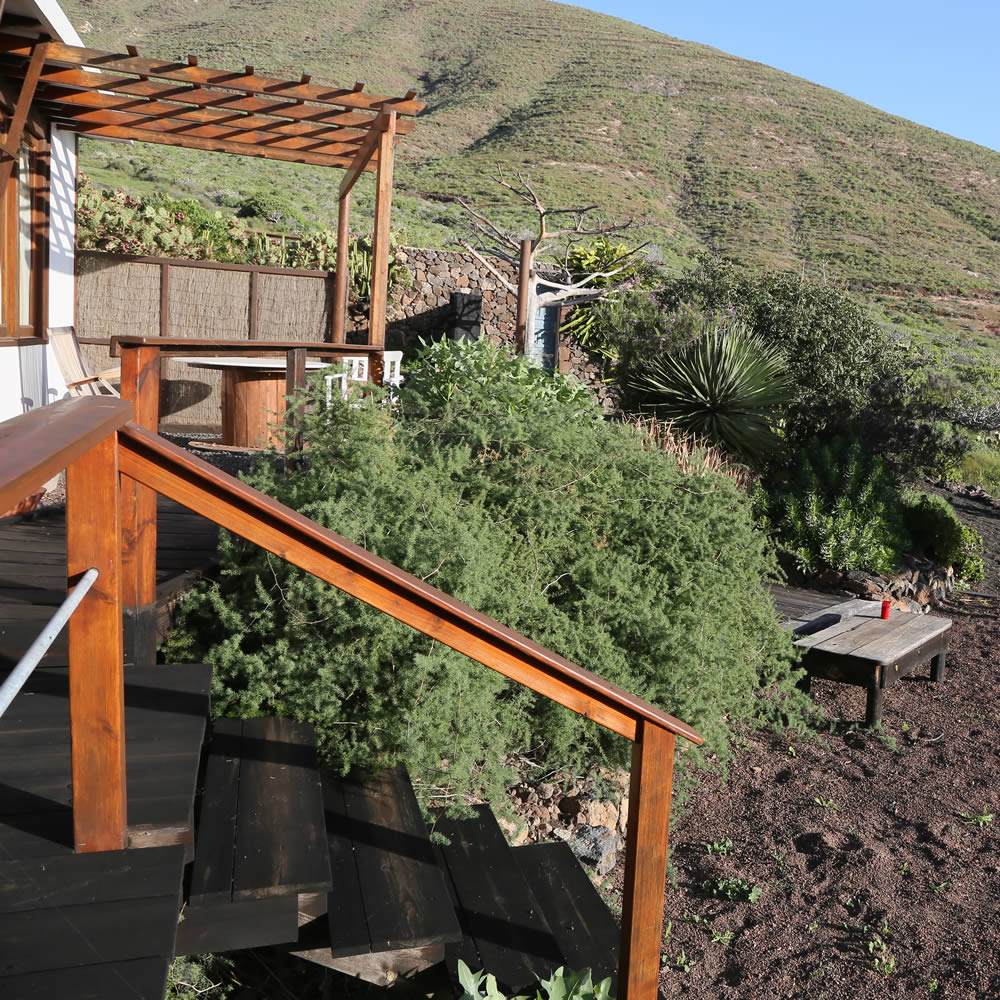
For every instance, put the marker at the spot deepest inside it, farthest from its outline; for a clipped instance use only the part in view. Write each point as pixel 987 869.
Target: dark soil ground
pixel 876 853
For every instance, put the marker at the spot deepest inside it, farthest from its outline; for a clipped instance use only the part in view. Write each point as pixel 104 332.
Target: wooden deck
pixel 92 925
pixel 797 602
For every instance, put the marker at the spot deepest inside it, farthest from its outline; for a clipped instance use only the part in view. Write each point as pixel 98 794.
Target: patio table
pixel 253 397
pixel 851 643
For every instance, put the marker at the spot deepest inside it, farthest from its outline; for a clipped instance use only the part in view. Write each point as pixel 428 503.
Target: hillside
pixel 704 150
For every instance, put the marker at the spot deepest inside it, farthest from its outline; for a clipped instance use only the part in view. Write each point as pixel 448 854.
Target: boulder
pixel 596 846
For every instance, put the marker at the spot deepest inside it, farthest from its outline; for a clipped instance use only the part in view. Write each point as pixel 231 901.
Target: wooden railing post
pixel 96 671
pixel 295 380
pixel 342 276
pixel 140 385
pixel 646 861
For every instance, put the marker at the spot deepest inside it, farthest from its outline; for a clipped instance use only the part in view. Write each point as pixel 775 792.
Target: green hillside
pixel 704 150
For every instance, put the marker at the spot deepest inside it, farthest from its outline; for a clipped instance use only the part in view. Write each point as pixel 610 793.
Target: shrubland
pixel 502 486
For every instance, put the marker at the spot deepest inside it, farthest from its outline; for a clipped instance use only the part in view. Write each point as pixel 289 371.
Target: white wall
pixel 62 243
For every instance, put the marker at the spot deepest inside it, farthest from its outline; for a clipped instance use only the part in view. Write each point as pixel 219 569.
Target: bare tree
pixel 549 244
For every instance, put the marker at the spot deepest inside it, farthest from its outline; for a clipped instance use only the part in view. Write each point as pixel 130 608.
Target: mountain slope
pixel 704 150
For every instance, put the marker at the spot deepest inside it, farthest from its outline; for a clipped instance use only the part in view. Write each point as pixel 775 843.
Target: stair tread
pixel 134 979
pixel 384 866
pixel 587 933
pixel 261 828
pixel 505 929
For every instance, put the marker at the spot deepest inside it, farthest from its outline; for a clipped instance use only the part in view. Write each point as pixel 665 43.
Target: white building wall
pixel 62 247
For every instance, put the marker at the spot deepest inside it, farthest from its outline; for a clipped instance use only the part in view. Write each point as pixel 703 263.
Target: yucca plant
pixel 729 387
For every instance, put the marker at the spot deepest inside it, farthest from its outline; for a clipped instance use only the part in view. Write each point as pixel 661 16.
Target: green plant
pixel 728 387
pixel 725 938
pixel 826 803
pixel 720 848
pixel 684 963
pixel 983 820
pixel 940 888
pixel 206 976
pixel 561 985
pixel 512 495
pixel 932 986
pixel 932 522
pixel 837 507
pixel 735 889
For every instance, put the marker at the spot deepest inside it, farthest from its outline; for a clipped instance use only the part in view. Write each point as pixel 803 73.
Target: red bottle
pixel 885 609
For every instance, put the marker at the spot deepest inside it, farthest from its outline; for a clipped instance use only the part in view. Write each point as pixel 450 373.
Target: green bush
pixel 933 524
pixel 510 494
pixel 728 388
pixel 839 508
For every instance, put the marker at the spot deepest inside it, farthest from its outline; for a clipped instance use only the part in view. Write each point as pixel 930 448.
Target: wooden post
pixel 252 307
pixel 164 300
pixel 342 277
pixel 96 673
pixel 646 862
pixel 295 381
pixel 523 288
pixel 140 384
pixel 380 241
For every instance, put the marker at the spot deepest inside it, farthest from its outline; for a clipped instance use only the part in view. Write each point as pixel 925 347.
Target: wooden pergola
pixel 124 96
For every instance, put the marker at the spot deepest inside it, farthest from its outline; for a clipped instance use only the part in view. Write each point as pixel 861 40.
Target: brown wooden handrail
pixel 38 445
pixel 174 472
pixel 177 346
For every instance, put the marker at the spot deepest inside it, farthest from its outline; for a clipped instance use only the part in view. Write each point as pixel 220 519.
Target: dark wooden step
pixel 261 838
pixel 165 716
pixel 94 916
pixel 384 867
pixel 136 979
pixel 504 928
pixel 525 912
pixel 587 934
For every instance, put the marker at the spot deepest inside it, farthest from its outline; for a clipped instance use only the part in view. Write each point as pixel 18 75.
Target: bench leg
pixel 873 712
pixel 937 666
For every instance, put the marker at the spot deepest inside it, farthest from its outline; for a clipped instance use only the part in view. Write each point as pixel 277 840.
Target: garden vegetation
pixel 502 486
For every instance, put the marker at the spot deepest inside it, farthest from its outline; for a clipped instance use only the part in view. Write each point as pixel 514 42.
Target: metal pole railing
pixel 15 680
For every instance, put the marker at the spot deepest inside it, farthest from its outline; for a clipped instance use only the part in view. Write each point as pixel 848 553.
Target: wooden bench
pixel 851 643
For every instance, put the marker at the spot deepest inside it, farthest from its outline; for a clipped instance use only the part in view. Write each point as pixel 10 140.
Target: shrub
pixel 836 355
pixel 516 499
pixel 728 387
pixel 933 523
pixel 839 508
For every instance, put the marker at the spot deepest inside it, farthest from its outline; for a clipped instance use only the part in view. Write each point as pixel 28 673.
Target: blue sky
pixel 937 64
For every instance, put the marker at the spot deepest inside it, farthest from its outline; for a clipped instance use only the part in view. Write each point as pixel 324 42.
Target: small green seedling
pixel 684 963
pixel 940 888
pixel 906 871
pixel 983 820
pixel 826 804
pixel 720 848
pixel 722 937
pixel 792 751
pixel 932 986
pixel 735 889
pixel 693 918
pixel 885 964
pixel 668 930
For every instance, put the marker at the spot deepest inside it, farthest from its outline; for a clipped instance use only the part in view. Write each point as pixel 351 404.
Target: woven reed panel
pixel 208 304
pixel 294 307
pixel 114 299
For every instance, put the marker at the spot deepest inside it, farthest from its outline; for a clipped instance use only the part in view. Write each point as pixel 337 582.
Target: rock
pixel 600 813
pixel 569 805
pixel 596 846
pixel 915 608
pixel 546 790
pixel 829 578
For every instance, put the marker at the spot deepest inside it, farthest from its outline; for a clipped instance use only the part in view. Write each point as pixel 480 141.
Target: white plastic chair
pixel 392 368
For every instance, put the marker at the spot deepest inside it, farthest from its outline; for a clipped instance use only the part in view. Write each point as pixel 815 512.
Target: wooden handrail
pixel 161 466
pixel 38 445
pixel 176 346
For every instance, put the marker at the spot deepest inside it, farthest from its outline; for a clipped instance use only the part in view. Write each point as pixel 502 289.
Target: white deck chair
pixel 79 381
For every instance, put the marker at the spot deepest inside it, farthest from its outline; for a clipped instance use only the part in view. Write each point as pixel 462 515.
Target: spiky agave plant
pixel 728 387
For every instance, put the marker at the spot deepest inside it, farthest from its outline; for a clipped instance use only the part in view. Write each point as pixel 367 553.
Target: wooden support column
pixel 646 862
pixel 140 384
pixel 380 241
pixel 96 673
pixel 523 289
pixel 342 277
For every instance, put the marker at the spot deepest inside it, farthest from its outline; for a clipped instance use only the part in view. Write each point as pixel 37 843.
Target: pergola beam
pixel 15 130
pixel 216 145
pixel 183 72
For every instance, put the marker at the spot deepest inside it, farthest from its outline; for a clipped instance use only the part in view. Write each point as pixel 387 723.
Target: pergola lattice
pixel 125 96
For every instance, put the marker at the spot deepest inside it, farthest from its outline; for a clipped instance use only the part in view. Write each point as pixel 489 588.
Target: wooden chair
pixel 79 381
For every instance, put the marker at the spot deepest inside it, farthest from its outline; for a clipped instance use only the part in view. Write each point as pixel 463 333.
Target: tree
pixel 565 284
